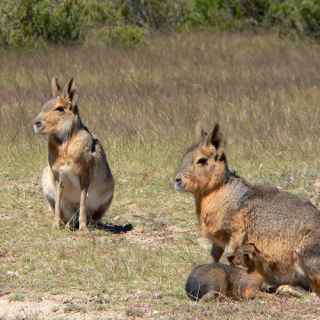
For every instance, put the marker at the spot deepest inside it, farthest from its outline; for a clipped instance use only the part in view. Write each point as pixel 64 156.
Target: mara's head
pixel 204 165
pixel 58 114
pixel 246 256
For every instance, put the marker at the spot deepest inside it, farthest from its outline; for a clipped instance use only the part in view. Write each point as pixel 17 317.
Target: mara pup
pixel 78 179
pixel 249 257
pixel 232 212
pixel 222 280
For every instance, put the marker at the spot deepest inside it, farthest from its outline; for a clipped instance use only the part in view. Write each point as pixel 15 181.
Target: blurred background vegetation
pixel 128 22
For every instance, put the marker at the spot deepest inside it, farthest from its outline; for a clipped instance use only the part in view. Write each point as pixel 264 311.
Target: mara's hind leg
pixel 99 213
pixel 308 260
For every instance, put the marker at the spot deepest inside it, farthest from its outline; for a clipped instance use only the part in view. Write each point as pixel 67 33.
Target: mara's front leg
pixel 237 235
pixel 216 252
pixel 49 187
pixel 225 244
pixel 58 217
pixel 236 240
pixel 216 239
pixel 83 210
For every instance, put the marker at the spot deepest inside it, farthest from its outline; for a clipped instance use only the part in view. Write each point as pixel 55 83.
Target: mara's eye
pixel 202 161
pixel 60 109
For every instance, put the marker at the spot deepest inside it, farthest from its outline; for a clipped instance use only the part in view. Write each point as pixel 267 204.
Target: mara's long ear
pixel 55 87
pixel 200 133
pixel 215 137
pixel 70 91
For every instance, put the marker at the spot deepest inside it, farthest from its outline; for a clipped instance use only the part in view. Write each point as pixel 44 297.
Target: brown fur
pixel 78 177
pixel 249 257
pixel 232 212
pixel 219 279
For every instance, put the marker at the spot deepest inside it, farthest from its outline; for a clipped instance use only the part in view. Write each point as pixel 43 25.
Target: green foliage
pixel 25 22
pixel 154 14
pixel 228 14
pixel 208 12
pixel 34 22
pixel 28 22
pixel 122 35
pixel 302 17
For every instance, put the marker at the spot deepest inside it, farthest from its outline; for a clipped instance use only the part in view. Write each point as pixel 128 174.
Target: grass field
pixel 143 104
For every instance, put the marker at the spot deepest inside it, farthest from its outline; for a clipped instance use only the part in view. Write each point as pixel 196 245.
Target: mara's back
pixel 279 222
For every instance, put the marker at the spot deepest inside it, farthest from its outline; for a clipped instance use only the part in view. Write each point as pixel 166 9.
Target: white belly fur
pixel 72 191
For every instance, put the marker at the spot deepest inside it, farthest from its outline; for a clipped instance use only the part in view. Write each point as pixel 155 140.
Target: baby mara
pixel 249 272
pixel 216 279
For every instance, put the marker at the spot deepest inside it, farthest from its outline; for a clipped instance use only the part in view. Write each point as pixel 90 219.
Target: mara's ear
pixel 70 91
pixel 55 87
pixel 215 137
pixel 200 133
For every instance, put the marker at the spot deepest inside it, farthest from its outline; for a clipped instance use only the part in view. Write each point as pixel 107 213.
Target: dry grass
pixel 143 104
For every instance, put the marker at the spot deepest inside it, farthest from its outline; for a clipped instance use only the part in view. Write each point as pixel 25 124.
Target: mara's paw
pixel 83 228
pixel 287 290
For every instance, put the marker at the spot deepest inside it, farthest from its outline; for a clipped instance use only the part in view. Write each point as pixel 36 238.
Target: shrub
pixel 121 35
pixel 155 14
pixel 26 21
pixel 30 22
pixel 301 17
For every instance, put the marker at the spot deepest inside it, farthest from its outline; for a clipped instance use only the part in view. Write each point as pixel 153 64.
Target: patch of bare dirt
pixel 57 307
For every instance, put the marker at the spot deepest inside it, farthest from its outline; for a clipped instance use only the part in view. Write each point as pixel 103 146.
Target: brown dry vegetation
pixel 143 103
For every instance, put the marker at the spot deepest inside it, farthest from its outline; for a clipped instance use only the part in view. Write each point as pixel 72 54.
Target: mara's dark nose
pixel 178 181
pixel 37 124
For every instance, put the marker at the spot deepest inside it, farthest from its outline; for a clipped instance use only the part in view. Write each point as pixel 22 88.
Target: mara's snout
pixel 178 184
pixel 37 126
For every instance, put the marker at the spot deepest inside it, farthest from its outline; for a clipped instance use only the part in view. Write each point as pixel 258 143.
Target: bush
pixel 122 35
pixel 155 14
pixel 30 22
pixel 301 17
pixel 288 16
pixel 27 21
